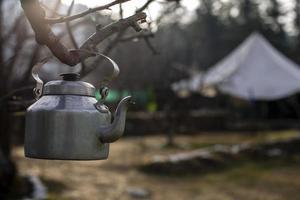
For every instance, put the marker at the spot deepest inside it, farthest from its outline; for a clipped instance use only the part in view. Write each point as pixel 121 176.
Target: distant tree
pixel 297 27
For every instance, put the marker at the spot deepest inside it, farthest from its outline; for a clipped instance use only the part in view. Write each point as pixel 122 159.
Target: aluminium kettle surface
pixel 65 127
pixel 65 121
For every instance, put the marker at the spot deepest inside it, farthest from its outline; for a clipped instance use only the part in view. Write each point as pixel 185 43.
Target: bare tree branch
pixel 33 60
pixel 121 25
pixel 9 69
pixel 121 11
pixel 150 46
pixel 89 11
pixel 36 51
pixel 119 38
pixel 69 30
pixel 170 9
pixel 14 91
pixel 71 35
pixel 52 11
pixel 45 36
pixel 137 36
pixel 13 28
pixel 144 6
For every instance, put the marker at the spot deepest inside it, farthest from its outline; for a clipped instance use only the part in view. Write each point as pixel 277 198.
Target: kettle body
pixel 68 123
pixel 65 127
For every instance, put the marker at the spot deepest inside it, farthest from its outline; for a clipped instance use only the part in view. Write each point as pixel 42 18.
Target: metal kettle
pixel 68 123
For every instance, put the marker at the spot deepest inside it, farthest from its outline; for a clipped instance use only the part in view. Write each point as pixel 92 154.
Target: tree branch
pixel 14 91
pixel 120 38
pixel 89 11
pixel 106 51
pixel 13 28
pixel 145 6
pixel 52 11
pixel 69 30
pixel 150 46
pixel 121 11
pixel 33 60
pixel 45 36
pixel 119 26
pixel 137 36
pixel 71 35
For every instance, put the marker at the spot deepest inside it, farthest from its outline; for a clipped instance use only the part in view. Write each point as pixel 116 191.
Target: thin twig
pixel 121 11
pixel 45 36
pixel 13 28
pixel 137 36
pixel 52 11
pixel 14 91
pixel 33 59
pixel 69 31
pixel 151 47
pixel 144 6
pixel 71 35
pixel 120 38
pixel 102 34
pixel 87 12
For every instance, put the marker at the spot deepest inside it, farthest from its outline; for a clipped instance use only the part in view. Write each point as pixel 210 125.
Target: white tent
pixel 254 70
pixel 189 84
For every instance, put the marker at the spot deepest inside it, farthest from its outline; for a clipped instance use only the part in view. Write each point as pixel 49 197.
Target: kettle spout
pixel 114 131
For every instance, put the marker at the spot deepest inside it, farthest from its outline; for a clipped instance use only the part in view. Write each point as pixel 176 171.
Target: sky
pixel 130 7
pixel 154 9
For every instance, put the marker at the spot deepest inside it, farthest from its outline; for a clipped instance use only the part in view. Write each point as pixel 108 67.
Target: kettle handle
pixel 116 69
pixel 105 90
pixel 38 90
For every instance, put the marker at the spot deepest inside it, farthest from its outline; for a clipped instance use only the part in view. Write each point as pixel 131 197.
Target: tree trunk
pixel 7 166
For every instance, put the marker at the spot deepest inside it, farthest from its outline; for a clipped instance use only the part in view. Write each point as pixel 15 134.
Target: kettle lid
pixel 69 85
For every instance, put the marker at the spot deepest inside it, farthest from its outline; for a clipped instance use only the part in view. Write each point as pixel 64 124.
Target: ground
pixel 111 179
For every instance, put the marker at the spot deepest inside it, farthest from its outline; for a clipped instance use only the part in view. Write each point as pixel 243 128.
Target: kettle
pixel 68 123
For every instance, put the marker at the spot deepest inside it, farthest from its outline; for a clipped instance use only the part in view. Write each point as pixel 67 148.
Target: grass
pixel 274 179
pixel 211 139
pixel 277 179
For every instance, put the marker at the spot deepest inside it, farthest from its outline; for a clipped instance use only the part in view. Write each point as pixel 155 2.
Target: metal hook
pixel 116 69
pixel 104 90
pixel 38 90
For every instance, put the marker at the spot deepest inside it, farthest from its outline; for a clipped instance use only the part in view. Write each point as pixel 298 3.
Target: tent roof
pixel 255 70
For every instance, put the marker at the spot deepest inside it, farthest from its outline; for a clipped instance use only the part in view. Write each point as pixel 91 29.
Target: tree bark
pixel 7 167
